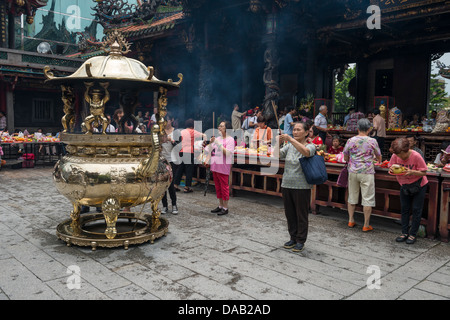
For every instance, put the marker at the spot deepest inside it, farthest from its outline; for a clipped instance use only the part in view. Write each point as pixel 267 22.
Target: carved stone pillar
pixel 205 87
pixel 271 73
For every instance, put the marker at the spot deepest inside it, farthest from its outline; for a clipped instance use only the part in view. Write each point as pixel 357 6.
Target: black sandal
pixel 402 238
pixel 188 190
pixel 411 240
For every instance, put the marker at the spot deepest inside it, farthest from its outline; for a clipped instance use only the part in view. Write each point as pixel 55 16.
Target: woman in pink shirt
pixel 222 149
pixel 413 186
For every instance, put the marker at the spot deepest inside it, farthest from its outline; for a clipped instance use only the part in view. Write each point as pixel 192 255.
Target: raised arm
pixel 297 145
pixel 105 86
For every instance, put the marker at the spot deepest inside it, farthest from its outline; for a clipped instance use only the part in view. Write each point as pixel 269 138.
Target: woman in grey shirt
pixel 296 191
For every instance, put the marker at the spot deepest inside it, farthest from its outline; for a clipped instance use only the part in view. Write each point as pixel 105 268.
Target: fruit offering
pixel 384 164
pixel 397 169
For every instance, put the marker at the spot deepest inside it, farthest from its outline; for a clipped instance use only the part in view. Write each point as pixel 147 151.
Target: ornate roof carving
pixel 27 7
pixel 119 13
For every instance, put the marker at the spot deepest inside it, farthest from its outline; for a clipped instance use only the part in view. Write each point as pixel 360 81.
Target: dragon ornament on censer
pixel 112 170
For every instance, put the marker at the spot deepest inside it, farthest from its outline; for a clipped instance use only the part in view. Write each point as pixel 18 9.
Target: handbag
pixel 342 180
pixel 314 169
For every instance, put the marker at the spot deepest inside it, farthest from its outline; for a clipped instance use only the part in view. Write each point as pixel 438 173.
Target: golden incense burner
pixel 112 170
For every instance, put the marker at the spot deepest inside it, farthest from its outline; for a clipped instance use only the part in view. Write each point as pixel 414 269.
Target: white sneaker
pixel 164 210
pixel 174 210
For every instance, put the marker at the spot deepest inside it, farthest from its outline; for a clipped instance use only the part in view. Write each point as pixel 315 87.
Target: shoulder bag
pixel 314 169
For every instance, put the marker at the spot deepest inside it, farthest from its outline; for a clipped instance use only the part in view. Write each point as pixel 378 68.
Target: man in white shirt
pixel 249 125
pixel 321 122
pixel 153 117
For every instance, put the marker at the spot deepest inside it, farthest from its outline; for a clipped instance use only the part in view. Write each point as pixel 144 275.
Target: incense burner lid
pixel 117 69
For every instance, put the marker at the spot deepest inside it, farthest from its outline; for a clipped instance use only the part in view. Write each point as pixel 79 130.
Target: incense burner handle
pixel 147 167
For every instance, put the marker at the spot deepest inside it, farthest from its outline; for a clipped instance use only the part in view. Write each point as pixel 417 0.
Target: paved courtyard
pixel 208 257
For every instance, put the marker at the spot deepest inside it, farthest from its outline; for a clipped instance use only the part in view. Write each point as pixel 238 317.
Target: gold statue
pixel 68 98
pixel 97 107
pixel 383 112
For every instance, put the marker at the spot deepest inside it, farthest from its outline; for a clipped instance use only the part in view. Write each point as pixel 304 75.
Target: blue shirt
pixel 287 124
pixel 346 119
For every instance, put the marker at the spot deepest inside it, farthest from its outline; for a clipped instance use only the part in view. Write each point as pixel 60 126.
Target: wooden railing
pixel 247 176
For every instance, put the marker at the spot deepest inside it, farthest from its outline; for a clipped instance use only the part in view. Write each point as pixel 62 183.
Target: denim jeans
pixel 413 203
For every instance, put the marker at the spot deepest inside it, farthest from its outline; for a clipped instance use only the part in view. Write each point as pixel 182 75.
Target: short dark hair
pixel 376 111
pixel 399 145
pixel 305 126
pixel 189 123
pixel 336 137
pixel 227 124
pixel 261 119
pixel 315 131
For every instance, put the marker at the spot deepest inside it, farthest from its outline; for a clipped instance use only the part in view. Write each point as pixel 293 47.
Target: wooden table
pixel 246 175
pixel 45 152
pixel 387 196
pixel 430 143
pixel 444 220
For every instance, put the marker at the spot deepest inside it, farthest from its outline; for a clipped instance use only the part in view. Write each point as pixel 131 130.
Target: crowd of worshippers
pixel 254 126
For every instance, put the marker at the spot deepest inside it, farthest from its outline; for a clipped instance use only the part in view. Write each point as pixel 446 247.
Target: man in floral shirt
pixel 352 123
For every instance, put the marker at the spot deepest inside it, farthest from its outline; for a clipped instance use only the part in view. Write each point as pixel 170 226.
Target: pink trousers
pixel 221 184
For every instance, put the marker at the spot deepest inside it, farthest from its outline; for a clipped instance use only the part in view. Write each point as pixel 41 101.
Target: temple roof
pixel 27 7
pixel 142 30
